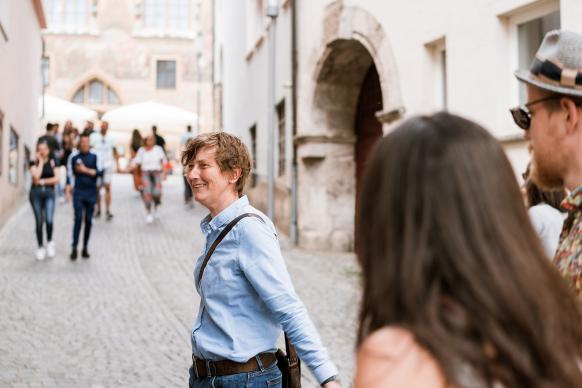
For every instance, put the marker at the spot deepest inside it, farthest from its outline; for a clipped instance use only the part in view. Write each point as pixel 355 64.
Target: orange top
pixel 391 358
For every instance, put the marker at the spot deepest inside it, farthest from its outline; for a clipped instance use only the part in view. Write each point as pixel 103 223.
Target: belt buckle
pixel 208 369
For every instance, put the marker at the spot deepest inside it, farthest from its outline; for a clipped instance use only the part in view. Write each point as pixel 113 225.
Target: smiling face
pixel 211 187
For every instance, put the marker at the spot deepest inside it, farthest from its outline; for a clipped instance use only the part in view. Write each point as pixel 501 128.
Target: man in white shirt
pixel 104 146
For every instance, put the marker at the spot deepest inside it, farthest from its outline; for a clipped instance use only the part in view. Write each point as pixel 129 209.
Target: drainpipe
pixel 272 13
pixel 294 178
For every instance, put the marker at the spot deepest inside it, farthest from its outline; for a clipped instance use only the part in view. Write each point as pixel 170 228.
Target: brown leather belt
pixel 205 368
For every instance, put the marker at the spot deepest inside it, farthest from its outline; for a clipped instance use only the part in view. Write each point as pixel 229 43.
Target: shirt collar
pixel 209 224
pixel 573 201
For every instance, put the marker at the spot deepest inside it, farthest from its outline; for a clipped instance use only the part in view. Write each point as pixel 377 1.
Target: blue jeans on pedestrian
pixel 84 206
pixel 266 377
pixel 42 199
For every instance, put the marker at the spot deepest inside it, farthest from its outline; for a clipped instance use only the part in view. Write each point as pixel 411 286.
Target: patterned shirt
pixel 568 257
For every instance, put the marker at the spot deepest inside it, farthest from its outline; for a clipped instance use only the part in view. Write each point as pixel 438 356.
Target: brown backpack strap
pixel 220 237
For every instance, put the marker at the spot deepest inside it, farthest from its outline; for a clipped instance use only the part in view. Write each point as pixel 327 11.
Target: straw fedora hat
pixel 557 66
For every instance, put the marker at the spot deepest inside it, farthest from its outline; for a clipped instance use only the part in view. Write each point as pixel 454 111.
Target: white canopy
pixel 168 119
pixel 59 110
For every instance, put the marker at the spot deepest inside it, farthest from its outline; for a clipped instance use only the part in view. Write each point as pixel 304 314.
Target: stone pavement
pixel 123 317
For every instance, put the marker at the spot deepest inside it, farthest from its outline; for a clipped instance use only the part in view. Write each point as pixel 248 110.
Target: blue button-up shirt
pixel 247 296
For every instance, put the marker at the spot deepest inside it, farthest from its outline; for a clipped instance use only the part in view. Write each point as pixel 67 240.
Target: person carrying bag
pixel 246 293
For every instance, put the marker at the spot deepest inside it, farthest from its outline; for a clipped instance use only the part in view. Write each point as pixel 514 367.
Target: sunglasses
pixel 522 115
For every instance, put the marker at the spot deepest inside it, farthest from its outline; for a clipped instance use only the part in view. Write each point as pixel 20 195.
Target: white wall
pixel 245 71
pixel 21 87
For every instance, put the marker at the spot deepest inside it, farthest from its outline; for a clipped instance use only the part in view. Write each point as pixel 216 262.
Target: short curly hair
pixel 231 153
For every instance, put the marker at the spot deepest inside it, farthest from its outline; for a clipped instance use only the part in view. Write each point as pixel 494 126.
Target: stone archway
pixel 355 95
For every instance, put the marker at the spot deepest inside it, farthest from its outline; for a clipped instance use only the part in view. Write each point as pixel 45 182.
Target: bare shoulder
pixel 390 357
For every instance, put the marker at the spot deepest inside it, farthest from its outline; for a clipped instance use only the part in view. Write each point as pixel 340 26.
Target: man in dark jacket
pixel 84 167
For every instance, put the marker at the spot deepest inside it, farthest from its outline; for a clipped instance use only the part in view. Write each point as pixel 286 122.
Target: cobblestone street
pixel 123 317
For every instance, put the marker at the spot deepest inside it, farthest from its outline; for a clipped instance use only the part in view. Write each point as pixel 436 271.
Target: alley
pixel 123 317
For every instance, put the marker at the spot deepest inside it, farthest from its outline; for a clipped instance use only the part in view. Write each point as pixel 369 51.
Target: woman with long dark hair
pixel 134 146
pixel 42 198
pixel 457 288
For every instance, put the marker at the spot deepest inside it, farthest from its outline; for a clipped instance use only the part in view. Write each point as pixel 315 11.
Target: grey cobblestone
pixel 123 317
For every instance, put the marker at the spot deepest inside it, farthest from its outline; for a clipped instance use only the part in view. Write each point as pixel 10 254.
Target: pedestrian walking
pixel 544 211
pixel 150 159
pixel 552 121
pixel 160 141
pixel 103 145
pixel 134 146
pixel 458 291
pixel 42 198
pixel 50 138
pixel 246 292
pixel 84 168
pixel 184 139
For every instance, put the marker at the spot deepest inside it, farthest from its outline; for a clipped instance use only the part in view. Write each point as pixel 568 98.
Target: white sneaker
pixel 40 253
pixel 50 249
pixel 149 218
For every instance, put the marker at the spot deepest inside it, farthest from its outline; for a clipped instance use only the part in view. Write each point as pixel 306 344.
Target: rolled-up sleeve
pixel 263 265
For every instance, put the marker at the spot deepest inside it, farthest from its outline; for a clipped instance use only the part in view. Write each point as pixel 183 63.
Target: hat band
pixel 548 69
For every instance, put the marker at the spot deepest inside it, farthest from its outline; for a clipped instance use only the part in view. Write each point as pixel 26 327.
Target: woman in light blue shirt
pixel 246 293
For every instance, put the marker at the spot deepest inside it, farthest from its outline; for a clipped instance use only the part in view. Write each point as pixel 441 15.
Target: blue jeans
pixel 42 199
pixel 264 378
pixel 84 207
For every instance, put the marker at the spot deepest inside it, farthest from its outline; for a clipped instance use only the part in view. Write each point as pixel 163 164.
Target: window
pixel 26 161
pixel 166 16
pixel 67 14
pixel 443 78
pixel 253 133
pixel 95 92
pixel 13 158
pixel 282 137
pixel 254 23
pixel 530 34
pixel 44 67
pixel 166 74
pixel 438 74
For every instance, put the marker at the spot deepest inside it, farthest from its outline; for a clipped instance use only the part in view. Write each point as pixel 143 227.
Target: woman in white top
pixel 151 159
pixel 545 213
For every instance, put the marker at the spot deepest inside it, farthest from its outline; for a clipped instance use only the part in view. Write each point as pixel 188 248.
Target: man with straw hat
pixel 552 120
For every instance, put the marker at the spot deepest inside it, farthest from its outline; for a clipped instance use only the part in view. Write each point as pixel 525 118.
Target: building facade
pixel 20 65
pixel 103 54
pixel 365 65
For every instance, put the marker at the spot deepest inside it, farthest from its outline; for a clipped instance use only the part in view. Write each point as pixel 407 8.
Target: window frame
pixel 515 19
pixel 281 138
pixel 157 62
pixel 107 88
pixel 13 169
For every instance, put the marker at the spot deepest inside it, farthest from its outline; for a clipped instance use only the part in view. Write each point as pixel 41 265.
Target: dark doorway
pixel 367 128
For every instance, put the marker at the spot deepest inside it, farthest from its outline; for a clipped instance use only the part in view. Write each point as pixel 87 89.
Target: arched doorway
pixel 346 99
pixel 367 128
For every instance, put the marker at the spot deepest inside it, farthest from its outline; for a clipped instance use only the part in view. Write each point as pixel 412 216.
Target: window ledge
pixel 164 34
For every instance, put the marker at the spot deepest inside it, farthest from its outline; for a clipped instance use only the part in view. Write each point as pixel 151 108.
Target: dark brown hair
pixel 231 153
pixel 447 252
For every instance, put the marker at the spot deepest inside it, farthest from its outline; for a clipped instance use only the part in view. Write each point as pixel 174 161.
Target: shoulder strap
pixel 220 238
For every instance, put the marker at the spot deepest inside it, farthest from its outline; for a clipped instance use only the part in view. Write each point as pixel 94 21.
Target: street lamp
pixel 272 12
